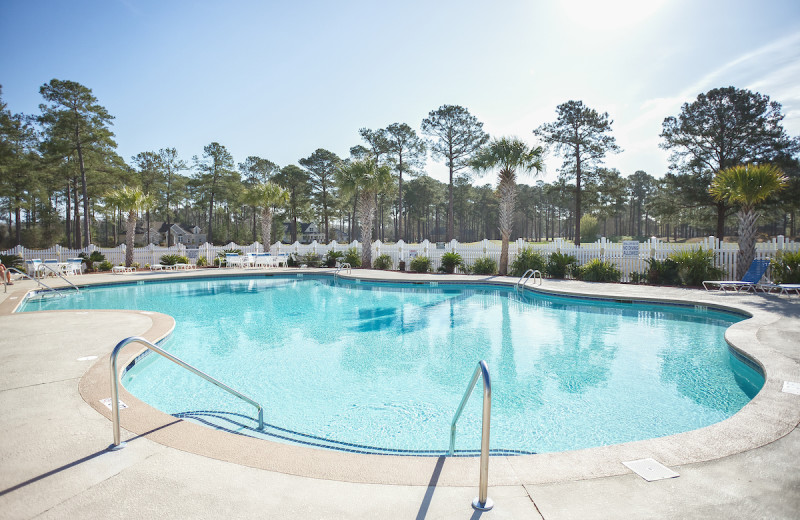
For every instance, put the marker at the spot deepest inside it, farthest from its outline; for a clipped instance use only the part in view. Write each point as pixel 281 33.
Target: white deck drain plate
pixel 790 387
pixel 107 402
pixel 650 469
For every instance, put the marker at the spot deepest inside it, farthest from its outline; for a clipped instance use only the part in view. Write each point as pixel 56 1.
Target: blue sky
pixel 281 79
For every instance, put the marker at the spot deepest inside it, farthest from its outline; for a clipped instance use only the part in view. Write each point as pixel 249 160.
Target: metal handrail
pixel 60 275
pixel 115 391
pixel 29 277
pixel 345 265
pixel 527 275
pixel 482 502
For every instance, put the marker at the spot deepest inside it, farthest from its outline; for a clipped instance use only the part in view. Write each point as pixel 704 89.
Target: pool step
pixel 244 425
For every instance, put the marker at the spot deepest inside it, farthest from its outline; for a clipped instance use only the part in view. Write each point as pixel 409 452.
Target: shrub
pixel 560 264
pixel 484 265
pixel 450 261
pixel 662 272
pixel 291 260
pixel 420 264
pixel 135 265
pixel 352 257
pixel 173 259
pixel 383 262
pixel 202 261
pixel 332 257
pixel 526 259
pixel 311 260
pixel 105 265
pixel 15 261
pixel 639 277
pixel 90 260
pixel 786 267
pixel 696 265
pixel 597 270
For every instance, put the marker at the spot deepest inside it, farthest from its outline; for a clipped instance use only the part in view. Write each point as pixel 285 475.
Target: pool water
pixel 381 368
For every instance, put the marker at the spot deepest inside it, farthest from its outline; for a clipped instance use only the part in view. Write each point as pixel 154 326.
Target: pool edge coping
pixel 771 408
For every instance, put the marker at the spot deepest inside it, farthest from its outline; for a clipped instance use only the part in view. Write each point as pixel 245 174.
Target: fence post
pixel 485 247
pixel 400 255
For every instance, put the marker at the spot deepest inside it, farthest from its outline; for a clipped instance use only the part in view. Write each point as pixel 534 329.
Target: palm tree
pixel 267 196
pixel 132 200
pixel 364 179
pixel 507 155
pixel 747 185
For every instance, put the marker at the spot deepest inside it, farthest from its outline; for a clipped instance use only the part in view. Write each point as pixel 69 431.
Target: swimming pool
pixel 381 367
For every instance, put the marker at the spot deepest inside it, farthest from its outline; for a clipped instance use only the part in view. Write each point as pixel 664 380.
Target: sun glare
pixel 610 14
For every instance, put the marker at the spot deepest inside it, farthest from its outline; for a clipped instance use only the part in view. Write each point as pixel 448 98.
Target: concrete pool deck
pixel 53 461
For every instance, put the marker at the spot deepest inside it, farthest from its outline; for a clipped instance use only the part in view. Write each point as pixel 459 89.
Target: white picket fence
pixel 632 260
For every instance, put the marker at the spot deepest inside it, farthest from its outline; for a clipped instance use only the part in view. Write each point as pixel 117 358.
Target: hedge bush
pixel 484 265
pixel 383 262
pixel 420 264
pixel 526 259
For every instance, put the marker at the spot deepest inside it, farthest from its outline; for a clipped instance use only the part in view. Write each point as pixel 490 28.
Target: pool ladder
pixel 342 266
pixel 482 502
pixel 118 445
pixel 527 275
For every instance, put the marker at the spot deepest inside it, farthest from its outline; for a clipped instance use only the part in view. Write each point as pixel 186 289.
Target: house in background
pixel 142 237
pixel 181 234
pixel 307 233
pixel 159 231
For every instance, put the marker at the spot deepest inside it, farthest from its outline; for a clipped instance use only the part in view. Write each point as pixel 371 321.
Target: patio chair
pixel 787 288
pixel 749 281
pixel 74 266
pixel 233 260
pixel 50 267
pixel 162 267
pixel 35 267
pixel 263 260
pixel 181 265
pixel 282 258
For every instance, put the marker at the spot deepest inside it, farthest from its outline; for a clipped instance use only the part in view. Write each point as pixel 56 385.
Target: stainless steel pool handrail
pixel 527 275
pixel 60 275
pixel 29 277
pixel 343 266
pixel 482 502
pixel 115 381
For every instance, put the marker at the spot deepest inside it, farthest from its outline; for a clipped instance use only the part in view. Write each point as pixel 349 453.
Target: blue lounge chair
pixel 749 281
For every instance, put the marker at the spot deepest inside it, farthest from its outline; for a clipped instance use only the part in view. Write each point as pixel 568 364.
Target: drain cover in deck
pixel 650 469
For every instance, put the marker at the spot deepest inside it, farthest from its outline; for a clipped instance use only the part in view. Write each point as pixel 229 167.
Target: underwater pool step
pixel 241 424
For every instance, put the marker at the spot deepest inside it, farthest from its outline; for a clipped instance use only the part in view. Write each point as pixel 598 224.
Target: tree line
pixel 60 178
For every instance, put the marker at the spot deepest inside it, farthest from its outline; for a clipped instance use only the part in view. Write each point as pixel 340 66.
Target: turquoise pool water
pixel 382 367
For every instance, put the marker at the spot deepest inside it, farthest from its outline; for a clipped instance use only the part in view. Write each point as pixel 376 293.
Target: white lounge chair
pixel 749 281
pixel 233 260
pixel 162 267
pixel 263 260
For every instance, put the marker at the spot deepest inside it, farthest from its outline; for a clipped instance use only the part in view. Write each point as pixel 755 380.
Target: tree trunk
pixel 508 194
pixel 84 191
pixel 266 227
pixel 577 198
pixel 747 240
pixel 366 214
pixel 76 214
pixel 130 231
